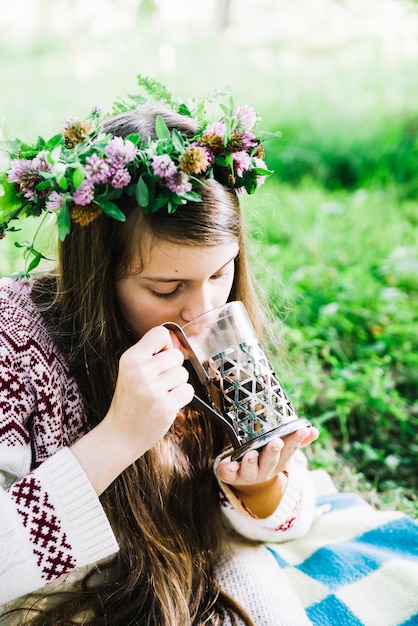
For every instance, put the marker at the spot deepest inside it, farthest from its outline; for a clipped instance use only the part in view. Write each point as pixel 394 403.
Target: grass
pixel 340 273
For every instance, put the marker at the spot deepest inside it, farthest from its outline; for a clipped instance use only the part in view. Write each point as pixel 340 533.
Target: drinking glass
pixel 241 387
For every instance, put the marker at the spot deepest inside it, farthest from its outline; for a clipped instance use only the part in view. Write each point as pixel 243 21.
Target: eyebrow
pixel 159 279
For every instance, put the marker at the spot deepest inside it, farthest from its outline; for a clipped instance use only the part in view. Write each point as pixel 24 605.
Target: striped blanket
pixel 357 566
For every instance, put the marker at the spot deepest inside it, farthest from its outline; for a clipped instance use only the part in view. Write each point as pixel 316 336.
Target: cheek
pixel 221 294
pixel 138 316
pixel 125 295
pixel 131 306
pixel 227 286
pixel 140 311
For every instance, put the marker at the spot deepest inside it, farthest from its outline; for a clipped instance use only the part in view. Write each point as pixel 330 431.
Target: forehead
pixel 165 259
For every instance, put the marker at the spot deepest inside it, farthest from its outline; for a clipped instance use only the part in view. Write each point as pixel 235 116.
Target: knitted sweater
pixel 51 521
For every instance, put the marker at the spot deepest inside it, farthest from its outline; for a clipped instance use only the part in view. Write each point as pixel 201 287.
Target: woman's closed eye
pixel 181 286
pixel 167 295
pixel 220 276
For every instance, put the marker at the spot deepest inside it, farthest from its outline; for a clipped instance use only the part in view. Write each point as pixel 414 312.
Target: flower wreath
pixel 79 173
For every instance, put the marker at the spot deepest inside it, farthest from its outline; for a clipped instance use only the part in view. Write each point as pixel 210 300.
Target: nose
pixel 197 304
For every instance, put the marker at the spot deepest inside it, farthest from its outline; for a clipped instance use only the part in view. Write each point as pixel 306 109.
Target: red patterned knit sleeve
pixel 51 521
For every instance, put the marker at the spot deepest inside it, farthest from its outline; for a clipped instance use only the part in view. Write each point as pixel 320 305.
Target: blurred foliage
pixel 381 153
pixel 349 311
pixel 334 230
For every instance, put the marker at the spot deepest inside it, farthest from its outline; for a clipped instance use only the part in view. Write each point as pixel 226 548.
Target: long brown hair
pixel 164 508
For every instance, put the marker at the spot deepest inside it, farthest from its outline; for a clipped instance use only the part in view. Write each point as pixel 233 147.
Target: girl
pixel 120 503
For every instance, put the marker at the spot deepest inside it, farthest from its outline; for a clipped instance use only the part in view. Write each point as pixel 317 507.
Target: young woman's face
pixel 176 283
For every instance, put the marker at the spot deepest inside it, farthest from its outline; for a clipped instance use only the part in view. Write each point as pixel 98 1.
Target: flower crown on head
pixel 79 173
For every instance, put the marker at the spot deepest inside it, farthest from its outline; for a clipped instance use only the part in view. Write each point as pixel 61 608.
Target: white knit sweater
pixel 51 521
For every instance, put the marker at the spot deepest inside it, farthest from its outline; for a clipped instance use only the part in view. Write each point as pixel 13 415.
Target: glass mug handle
pixel 204 379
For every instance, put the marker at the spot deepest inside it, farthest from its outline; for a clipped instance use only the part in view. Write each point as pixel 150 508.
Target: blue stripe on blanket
pixel 345 562
pixel 397 537
pixel 332 611
pixel 340 565
pixel 356 567
pixel 338 501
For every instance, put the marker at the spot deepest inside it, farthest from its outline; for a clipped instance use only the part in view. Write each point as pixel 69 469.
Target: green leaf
pixel 43 185
pixel 160 200
pixel 56 140
pixel 41 143
pixel 37 257
pixel 64 222
pixel 260 171
pixel 176 199
pixel 228 126
pixel 62 181
pixel 199 181
pixel 171 207
pixel 13 146
pixel 184 110
pixel 165 147
pixel 142 193
pixel 251 185
pixel 249 181
pixel 153 88
pixel 178 141
pixel 161 128
pixel 9 199
pixel 191 196
pixel 129 190
pixel 111 209
pixel 229 161
pixel 78 176
pixel 54 156
pixel 220 160
pixel 136 139
pixel 263 135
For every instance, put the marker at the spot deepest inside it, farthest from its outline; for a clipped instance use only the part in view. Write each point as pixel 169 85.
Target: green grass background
pixel 334 231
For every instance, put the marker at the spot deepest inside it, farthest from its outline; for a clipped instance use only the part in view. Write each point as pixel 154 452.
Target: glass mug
pixel 242 390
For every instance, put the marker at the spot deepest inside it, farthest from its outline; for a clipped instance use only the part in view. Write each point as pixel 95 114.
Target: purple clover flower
pixel 215 128
pixel 163 166
pixel 19 169
pixel 121 151
pixel 69 123
pixel 209 154
pixel 261 164
pixel 121 178
pixel 97 170
pixel 97 110
pixel 246 116
pixel 25 173
pixel 242 162
pixel 179 183
pixel 54 201
pixel 84 194
pixel 248 140
pixel 40 162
